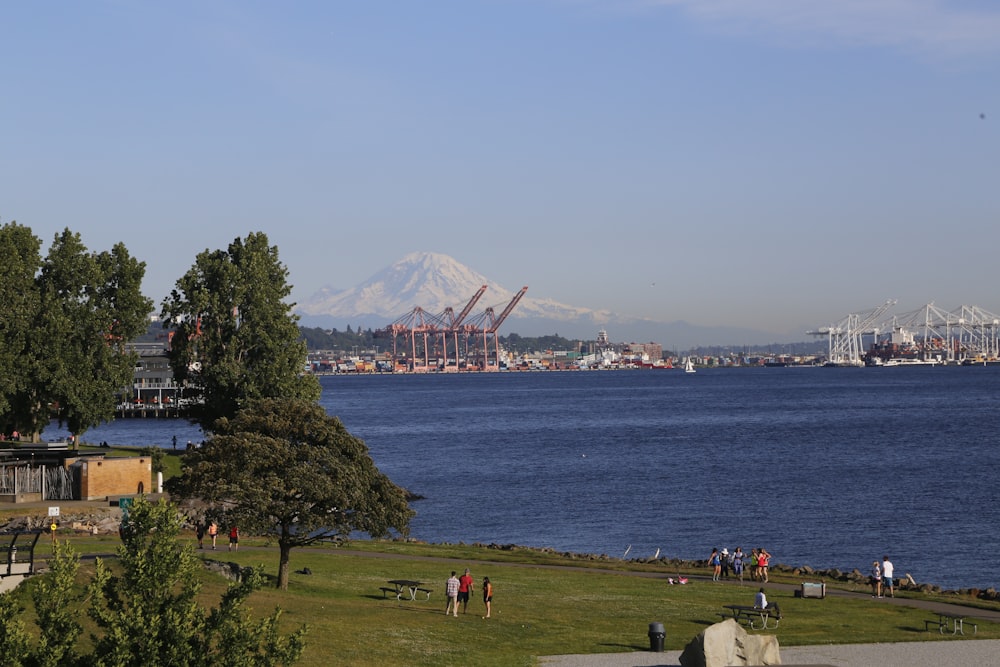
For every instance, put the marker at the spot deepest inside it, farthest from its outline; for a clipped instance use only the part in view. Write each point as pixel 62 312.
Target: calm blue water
pixel 823 466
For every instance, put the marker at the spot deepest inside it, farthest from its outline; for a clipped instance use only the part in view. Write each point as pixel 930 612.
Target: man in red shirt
pixel 464 589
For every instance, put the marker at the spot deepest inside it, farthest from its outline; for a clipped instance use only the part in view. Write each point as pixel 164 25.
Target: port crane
pixel 420 329
pixel 489 323
pixel 454 326
pixel 968 334
pixel 844 338
pixel 416 325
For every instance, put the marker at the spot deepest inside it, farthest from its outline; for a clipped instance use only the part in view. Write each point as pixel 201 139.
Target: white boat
pixel 689 366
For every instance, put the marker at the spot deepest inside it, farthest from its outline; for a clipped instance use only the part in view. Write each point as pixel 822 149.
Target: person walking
pixel 887 582
pixel 487 595
pixel 451 592
pixel 876 580
pixel 716 563
pixel 213 532
pixel 234 538
pixel 199 531
pixel 727 561
pixel 465 586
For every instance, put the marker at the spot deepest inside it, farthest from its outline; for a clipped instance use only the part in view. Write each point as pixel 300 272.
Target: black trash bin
pixel 656 637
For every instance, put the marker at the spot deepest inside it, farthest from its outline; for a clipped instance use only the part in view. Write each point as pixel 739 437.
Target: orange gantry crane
pixel 416 325
pixel 488 323
pixel 421 329
pixel 454 326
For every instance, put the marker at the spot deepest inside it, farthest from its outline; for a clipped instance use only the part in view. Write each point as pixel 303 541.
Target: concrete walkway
pixel 955 653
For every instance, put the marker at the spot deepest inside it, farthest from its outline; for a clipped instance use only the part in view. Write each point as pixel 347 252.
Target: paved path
pixel 956 653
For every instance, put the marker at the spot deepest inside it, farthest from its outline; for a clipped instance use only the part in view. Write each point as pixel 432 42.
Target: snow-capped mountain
pixel 435 282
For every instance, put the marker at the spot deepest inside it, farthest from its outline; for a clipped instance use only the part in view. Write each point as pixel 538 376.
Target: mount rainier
pixel 435 282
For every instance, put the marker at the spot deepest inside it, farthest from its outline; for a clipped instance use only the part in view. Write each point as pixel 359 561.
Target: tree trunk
pixel 285 550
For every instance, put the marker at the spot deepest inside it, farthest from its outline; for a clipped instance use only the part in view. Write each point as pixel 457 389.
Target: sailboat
pixel 689 366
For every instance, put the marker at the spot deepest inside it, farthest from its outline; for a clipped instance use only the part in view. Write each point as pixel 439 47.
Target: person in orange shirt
pixel 487 595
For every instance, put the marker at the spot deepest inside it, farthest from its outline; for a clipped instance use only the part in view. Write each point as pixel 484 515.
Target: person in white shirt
pixel 887 576
pixel 760 602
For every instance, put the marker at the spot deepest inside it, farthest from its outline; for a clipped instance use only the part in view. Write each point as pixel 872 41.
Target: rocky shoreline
pixel 105 520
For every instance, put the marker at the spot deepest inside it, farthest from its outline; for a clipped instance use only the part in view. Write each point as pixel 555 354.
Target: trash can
pixel 656 637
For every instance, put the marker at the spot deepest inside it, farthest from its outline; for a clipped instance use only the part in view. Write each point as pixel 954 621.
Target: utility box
pixel 813 590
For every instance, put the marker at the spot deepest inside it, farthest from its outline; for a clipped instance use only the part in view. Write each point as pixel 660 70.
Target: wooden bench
pixel 425 590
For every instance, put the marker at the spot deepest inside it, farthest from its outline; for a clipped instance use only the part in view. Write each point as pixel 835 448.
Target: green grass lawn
pixel 538 609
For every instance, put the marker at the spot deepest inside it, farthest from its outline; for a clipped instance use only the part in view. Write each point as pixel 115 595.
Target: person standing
pixel 451 592
pixel 876 580
pixel 213 532
pixel 887 582
pixel 738 563
pixel 760 602
pixel 727 561
pixel 465 585
pixel 715 562
pixel 234 538
pixel 487 595
pixel 764 560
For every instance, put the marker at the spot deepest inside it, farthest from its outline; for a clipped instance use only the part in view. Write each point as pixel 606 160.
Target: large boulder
pixel 727 644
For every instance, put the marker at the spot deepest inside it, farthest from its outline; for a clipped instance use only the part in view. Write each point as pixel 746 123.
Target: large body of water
pixel 822 466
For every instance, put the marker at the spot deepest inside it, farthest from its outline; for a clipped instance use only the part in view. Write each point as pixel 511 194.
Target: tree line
pixel 274 463
pixel 65 320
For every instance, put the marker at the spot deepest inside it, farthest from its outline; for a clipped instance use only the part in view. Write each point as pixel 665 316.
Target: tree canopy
pixel 284 468
pixel 235 339
pixel 67 321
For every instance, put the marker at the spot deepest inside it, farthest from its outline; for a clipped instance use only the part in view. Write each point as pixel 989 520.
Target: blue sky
pixel 760 163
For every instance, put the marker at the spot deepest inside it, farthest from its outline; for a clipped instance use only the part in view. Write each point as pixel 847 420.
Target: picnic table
pixel 406 589
pixel 755 617
pixel 953 622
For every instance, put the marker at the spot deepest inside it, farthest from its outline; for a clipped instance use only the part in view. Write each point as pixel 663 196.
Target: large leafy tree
pixel 234 337
pixel 22 260
pixel 284 468
pixel 72 315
